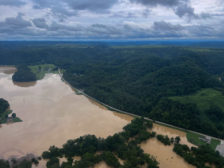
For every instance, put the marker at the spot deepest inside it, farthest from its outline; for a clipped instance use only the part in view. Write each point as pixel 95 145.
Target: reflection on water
pixel 52 113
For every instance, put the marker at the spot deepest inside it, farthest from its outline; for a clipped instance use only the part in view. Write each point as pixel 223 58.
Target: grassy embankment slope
pixel 42 69
pixel 203 99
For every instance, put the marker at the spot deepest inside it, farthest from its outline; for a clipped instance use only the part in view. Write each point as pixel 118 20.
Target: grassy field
pixel 195 139
pixel 203 99
pixel 41 70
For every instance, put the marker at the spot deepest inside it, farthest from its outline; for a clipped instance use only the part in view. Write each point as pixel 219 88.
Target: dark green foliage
pixel 134 127
pixel 93 150
pixel 88 143
pixel 176 113
pixel 144 135
pixel 35 161
pixel 88 160
pixel 23 74
pixel 4 105
pixel 4 164
pixel 199 156
pixel 22 163
pixel 164 139
pixel 13 115
pixel 134 79
pixel 53 152
pixel 53 163
pixel 215 113
pixel 110 159
pixel 177 140
pixel 4 112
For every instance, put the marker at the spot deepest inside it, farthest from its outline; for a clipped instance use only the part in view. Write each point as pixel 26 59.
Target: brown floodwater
pixel 164 154
pixel 170 132
pixel 52 113
pixel 101 165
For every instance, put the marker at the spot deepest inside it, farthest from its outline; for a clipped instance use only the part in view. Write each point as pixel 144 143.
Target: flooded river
pixel 164 154
pixel 52 113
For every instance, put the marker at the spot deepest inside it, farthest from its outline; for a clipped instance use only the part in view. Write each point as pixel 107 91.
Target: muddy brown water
pixel 52 113
pixel 164 154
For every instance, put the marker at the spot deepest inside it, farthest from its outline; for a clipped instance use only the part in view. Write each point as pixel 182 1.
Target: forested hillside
pixel 138 79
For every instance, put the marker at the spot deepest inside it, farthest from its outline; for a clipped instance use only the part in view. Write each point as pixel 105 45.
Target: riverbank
pixel 51 114
pixel 193 137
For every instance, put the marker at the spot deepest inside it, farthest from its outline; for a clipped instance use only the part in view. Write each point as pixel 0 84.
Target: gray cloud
pixel 14 24
pixel 70 7
pixel 58 8
pixel 40 23
pixel 166 27
pixel 15 27
pixel 181 7
pixel 11 2
pixel 184 9
pixel 168 3
pixel 187 11
pixel 18 27
pixel 91 5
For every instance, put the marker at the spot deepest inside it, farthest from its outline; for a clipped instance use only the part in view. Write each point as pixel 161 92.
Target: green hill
pixel 150 81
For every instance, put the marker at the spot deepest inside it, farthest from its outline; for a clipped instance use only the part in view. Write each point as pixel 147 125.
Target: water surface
pixel 164 154
pixel 52 113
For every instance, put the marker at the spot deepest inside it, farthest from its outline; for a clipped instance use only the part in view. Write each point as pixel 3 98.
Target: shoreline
pixel 80 92
pixel 113 109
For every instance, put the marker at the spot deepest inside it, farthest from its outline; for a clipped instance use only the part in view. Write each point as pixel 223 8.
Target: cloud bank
pixel 111 19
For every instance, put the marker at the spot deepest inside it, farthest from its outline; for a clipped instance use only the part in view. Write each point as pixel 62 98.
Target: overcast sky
pixel 111 19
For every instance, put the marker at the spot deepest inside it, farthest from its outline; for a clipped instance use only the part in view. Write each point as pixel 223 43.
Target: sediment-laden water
pixel 52 113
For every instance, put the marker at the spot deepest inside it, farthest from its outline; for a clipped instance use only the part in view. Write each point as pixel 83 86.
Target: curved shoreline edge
pixel 78 91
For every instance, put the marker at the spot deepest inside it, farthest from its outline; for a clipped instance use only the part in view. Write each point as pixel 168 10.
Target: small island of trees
pixel 5 112
pixel 24 74
pixel 122 150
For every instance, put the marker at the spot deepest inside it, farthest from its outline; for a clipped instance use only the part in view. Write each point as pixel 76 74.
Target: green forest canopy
pixel 138 79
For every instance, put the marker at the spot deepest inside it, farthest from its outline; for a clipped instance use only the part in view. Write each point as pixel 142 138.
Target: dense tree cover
pixel 188 116
pixel 164 139
pixel 137 79
pixel 18 163
pixel 173 112
pixel 201 157
pixel 4 163
pixel 4 105
pixel 92 150
pixel 23 74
